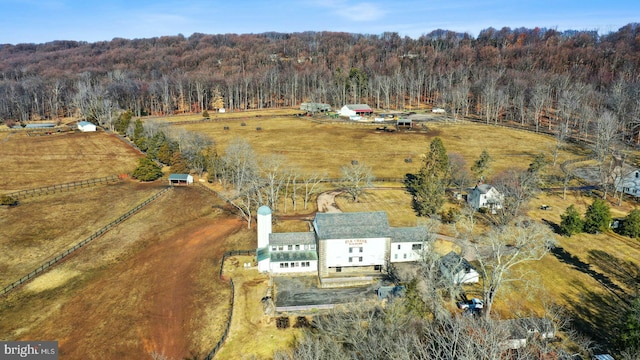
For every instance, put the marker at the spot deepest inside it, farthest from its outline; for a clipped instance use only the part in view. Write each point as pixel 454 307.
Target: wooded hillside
pixel 536 77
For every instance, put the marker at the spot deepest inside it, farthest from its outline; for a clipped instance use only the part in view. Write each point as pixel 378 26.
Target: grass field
pixel 314 146
pixel 32 162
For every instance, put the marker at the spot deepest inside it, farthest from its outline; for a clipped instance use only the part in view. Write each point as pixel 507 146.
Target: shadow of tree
pixel 561 254
pixel 555 227
pixel 625 272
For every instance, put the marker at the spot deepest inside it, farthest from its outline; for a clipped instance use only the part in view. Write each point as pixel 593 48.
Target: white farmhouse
pixel 629 183
pixel 339 244
pixel 485 196
pixel 86 126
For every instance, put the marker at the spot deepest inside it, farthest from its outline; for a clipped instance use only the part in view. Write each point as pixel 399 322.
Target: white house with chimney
pixel 485 196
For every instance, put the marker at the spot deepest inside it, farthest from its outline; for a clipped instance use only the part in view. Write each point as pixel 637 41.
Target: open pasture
pixel 32 162
pixel 148 285
pixel 325 147
pixel 42 227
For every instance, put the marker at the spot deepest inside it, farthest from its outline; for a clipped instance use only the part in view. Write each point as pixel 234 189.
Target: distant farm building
pixel 180 179
pixel 315 107
pixel 37 126
pixel 438 111
pixel 355 110
pixel 404 123
pixel 86 126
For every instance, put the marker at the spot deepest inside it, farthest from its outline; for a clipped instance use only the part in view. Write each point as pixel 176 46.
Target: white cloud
pixel 360 11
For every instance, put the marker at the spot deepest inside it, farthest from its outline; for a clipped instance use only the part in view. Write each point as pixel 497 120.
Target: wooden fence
pixel 42 268
pixel 220 342
pixel 52 189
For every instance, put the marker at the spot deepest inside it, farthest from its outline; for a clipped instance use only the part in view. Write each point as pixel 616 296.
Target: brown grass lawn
pixel 42 227
pixel 328 146
pixel 31 162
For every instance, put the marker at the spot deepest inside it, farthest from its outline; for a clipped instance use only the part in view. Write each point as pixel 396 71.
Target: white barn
pixel 351 110
pixel 180 179
pixel 86 126
pixel 360 242
pixel 485 196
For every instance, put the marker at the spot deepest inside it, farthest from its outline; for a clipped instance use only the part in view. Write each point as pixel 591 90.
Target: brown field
pixel 150 284
pixel 32 162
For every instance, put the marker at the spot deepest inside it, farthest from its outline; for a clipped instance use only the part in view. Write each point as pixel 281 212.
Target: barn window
pixel 395 256
pixel 350 250
pixel 312 246
pixel 377 267
pixel 360 259
pixel 339 269
pixel 405 256
pixel 280 248
pixel 398 246
pixel 350 259
pixel 289 247
pixel 361 249
pixel 281 265
pixel 416 247
pixel 273 248
pixel 297 247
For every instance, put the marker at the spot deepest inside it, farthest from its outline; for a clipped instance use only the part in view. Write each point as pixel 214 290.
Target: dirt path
pixel 146 303
pixel 327 202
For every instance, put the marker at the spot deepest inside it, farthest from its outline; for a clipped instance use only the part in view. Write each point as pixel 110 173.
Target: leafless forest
pixel 534 77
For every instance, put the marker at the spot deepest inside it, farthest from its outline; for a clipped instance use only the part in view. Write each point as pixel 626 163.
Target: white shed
pixel 86 126
pixel 355 110
pixel 485 196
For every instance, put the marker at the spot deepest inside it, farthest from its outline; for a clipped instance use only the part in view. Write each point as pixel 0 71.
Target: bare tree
pixel 607 136
pixel 355 178
pixel 503 248
pixel 273 174
pixel 311 182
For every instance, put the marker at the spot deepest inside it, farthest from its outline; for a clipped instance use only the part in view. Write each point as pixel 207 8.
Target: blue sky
pixel 38 21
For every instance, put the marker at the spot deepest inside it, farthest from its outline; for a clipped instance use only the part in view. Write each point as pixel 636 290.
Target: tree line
pixel 542 78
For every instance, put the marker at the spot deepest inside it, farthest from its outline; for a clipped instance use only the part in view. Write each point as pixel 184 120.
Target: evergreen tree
pixel 597 217
pixel 629 339
pixel 571 222
pixel 147 170
pixel 481 165
pixel 429 185
pixel 179 164
pixel 631 224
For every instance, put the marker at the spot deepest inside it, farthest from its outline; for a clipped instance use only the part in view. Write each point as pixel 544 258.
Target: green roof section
pixel 354 225
pixel 262 254
pixel 284 256
pixel 294 238
pixel 179 177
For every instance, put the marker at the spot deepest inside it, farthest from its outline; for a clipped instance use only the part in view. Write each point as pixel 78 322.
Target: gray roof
pixel 484 188
pixel 359 107
pixel 294 238
pixel 264 210
pixel 455 263
pixel 283 256
pixel 356 225
pixel 408 234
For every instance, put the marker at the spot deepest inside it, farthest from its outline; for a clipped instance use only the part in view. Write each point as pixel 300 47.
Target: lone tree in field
pixel 597 218
pixel 504 248
pixel 429 184
pixel 481 166
pixel 355 178
pixel 571 222
pixel 147 170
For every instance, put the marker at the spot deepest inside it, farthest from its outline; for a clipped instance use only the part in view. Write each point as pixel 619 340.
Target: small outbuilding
pixel 180 179
pixel 86 126
pixel 458 270
pixel 315 107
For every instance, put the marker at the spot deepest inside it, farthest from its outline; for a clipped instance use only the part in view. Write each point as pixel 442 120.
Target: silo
pixel 264 226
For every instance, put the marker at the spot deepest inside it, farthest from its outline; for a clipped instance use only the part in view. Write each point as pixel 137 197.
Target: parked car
pixel 472 304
